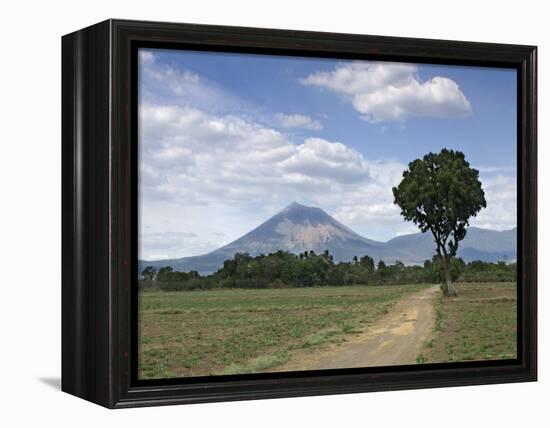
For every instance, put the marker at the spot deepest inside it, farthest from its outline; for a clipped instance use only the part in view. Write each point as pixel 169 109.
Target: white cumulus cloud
pixel 384 92
pixel 324 159
pixel 197 168
pixel 501 196
pixel 298 121
pixel 186 151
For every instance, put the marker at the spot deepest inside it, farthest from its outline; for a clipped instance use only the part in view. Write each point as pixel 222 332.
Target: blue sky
pixel 226 140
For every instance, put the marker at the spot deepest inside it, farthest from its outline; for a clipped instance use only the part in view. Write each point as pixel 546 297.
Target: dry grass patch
pixel 198 333
pixel 479 324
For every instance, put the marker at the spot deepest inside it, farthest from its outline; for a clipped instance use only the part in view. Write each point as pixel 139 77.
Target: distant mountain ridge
pixel 480 244
pixel 299 228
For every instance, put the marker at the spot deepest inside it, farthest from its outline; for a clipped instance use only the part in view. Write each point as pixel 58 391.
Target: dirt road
pixel 395 339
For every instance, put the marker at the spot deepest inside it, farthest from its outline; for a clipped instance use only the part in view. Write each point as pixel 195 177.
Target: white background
pixel 30 213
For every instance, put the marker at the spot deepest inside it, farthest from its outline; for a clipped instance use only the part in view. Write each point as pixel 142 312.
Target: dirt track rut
pixel 395 339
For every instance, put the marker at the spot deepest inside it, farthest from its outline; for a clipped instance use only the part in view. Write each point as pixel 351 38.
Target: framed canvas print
pixel 252 213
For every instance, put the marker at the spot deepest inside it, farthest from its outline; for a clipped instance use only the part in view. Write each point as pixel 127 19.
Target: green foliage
pixel 367 262
pixel 149 273
pixel 287 270
pixel 456 266
pixel 478 271
pixel 440 193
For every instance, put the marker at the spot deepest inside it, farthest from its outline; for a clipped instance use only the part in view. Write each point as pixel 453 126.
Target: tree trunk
pixel 449 289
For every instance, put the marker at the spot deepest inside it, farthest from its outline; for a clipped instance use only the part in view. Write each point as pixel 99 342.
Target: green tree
pixel 381 269
pixel 399 264
pixel 456 267
pixel 149 273
pixel 164 273
pixel 367 262
pixel 440 193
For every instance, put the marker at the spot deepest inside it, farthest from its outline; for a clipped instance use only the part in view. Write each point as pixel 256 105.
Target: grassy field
pixel 200 333
pixel 478 324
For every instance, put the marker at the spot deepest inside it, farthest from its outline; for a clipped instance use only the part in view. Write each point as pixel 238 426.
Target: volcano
pixel 298 228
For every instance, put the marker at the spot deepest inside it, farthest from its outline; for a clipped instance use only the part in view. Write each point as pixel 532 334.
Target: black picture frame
pixel 99 209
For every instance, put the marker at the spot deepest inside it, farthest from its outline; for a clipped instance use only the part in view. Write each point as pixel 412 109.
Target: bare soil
pixel 397 338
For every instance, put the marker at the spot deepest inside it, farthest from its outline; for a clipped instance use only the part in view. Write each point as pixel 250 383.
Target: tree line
pixel 308 269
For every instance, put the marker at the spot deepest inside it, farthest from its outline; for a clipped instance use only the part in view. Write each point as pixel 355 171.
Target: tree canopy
pixel 440 193
pixel 149 273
